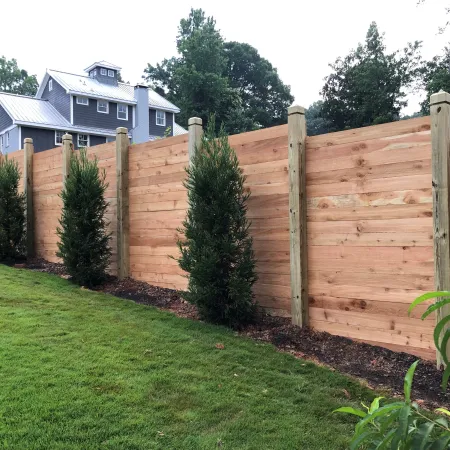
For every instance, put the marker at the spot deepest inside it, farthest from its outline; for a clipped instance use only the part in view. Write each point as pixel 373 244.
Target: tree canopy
pixel 228 79
pixel 15 80
pixel 367 86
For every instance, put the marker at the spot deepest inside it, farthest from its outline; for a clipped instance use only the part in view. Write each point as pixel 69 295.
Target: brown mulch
pixel 379 367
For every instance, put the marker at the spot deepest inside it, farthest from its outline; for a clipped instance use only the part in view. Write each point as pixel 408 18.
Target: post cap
pixel 440 97
pixel 122 130
pixel 67 137
pixel 28 141
pixel 195 121
pixel 296 109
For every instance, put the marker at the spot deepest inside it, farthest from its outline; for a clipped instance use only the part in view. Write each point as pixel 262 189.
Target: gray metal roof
pixel 178 130
pixel 36 112
pixel 90 87
pixel 102 64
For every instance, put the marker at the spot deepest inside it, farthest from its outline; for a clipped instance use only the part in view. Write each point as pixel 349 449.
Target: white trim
pixel 59 131
pixel 71 109
pixel 126 109
pixel 7 139
pixel 111 73
pixel 20 136
pixel 50 85
pixel 105 97
pixel 11 127
pixel 107 106
pixel 156 118
pixel 1 144
pixel 173 124
pixel 102 69
pixel 133 110
pixel 75 129
pixel 78 140
pixel 84 97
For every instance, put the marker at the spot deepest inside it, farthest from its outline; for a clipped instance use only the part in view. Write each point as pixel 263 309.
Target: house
pixel 90 107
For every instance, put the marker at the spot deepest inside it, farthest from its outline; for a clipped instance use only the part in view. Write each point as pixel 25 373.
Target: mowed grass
pixel 83 370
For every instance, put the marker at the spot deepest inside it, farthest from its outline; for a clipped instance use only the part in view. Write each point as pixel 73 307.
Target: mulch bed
pixel 379 367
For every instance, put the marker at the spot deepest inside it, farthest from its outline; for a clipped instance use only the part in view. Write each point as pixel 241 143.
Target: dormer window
pixel 111 73
pixel 103 72
pixel 102 106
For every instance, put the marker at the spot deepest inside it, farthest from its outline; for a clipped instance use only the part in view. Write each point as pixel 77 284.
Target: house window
pixel 102 106
pixel 82 101
pixel 83 140
pixel 1 143
pixel 7 139
pixel 111 73
pixel 161 118
pixel 103 72
pixel 122 112
pixel 50 85
pixel 59 137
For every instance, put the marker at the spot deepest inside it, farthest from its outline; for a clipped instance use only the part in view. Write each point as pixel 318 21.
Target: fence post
pixel 440 159
pixel 28 149
pixel 67 149
pixel 195 135
pixel 123 204
pixel 297 215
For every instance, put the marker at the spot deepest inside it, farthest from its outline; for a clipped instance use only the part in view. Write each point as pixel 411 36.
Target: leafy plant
pixel 399 425
pixel 217 250
pixel 84 242
pixel 12 211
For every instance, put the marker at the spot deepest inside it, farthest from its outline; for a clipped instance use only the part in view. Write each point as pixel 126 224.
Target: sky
pixel 299 37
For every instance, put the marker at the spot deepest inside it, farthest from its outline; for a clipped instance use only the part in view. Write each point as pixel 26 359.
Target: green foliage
pixel 12 211
pixel 399 425
pixel 217 251
pixel 435 76
pixel 15 80
pixel 316 122
pixel 367 87
pixel 84 242
pixel 228 79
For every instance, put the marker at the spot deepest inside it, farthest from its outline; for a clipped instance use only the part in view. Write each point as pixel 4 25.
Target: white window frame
pixel 126 111
pixel 103 71
pixel 164 117
pixel 7 139
pixel 78 140
pixel 79 102
pixel 56 135
pixel 50 86
pixel 1 143
pixel 107 106
pixel 110 73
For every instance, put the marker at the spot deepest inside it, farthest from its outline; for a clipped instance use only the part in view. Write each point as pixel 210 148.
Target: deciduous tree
pixel 15 80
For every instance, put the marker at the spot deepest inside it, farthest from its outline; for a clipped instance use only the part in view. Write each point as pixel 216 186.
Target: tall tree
pixel 210 76
pixel 368 86
pixel 316 122
pixel 435 77
pixel 15 80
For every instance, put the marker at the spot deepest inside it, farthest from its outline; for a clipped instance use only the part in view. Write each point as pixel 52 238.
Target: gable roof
pixel 102 64
pixel 178 130
pixel 90 87
pixel 36 112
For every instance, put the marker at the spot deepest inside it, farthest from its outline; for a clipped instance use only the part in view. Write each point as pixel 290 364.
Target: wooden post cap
pixel 67 137
pixel 122 130
pixel 28 141
pixel 296 109
pixel 195 121
pixel 439 97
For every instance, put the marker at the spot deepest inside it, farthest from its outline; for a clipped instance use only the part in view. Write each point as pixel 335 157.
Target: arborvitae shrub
pixel 12 212
pixel 217 250
pixel 84 241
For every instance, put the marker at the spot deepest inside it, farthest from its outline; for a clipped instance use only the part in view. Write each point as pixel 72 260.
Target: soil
pixel 380 368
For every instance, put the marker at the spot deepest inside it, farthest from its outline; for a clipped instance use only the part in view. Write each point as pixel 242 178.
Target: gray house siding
pixel 87 115
pixel 44 139
pixel 5 120
pixel 14 140
pixel 158 130
pixel 58 98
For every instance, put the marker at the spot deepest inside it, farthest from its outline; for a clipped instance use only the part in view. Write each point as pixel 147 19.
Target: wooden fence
pixel 350 266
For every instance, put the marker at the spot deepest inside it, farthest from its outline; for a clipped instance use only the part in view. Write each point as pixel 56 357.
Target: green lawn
pixel 83 370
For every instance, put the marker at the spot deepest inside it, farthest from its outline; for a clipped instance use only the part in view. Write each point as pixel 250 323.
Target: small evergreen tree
pixel 84 242
pixel 217 251
pixel 12 212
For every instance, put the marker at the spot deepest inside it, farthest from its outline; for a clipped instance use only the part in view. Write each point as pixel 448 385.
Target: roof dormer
pixel 104 72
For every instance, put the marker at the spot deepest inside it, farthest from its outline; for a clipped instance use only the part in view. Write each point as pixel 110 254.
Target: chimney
pixel 141 129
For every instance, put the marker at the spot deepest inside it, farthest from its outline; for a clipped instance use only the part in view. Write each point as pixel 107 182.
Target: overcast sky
pixel 299 37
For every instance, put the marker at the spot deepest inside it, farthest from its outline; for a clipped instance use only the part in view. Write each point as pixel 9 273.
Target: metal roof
pixel 36 112
pixel 90 87
pixel 178 130
pixel 102 64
